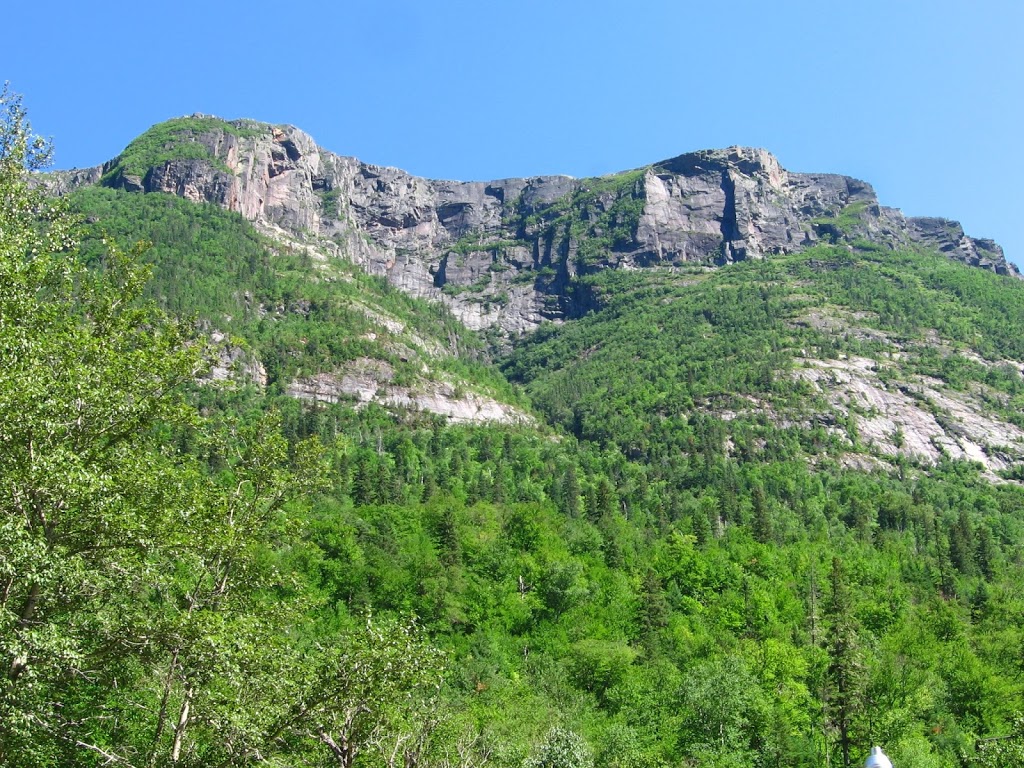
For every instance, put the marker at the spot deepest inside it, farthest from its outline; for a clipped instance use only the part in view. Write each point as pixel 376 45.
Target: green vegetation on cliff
pixel 293 314
pixel 176 139
pixel 598 217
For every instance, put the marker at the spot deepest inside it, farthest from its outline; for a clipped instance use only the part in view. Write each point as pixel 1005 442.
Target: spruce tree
pixel 844 675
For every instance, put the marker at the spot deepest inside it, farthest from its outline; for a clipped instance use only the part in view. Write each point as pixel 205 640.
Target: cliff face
pixel 503 253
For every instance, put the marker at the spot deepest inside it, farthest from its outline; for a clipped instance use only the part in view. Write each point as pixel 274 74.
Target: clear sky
pixel 922 98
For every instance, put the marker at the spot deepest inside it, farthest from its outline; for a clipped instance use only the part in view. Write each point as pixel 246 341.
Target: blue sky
pixel 923 99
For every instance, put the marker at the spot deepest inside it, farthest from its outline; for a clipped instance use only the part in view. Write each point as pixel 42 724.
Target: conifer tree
pixel 762 522
pixel 844 675
pixel 570 495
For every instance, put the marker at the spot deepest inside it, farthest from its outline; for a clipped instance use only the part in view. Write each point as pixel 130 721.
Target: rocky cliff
pixel 504 253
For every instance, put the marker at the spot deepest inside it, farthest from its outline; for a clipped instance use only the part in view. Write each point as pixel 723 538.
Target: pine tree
pixel 762 522
pixel 962 544
pixel 701 526
pixel 654 609
pixel 844 675
pixel 364 486
pixel 604 500
pixel 570 492
pixel 448 539
pixel 986 553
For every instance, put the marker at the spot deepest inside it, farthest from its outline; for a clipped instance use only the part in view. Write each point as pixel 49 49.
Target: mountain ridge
pixel 505 253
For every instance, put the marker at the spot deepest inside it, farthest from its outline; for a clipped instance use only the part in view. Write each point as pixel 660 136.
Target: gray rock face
pixel 736 204
pixel 365 380
pixel 922 419
pixel 62 182
pixel 948 237
pixel 504 253
pixel 232 363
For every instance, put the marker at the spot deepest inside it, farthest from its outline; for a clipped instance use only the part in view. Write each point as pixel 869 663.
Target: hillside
pixel 705 463
pixel 285 318
pixel 895 357
pixel 865 350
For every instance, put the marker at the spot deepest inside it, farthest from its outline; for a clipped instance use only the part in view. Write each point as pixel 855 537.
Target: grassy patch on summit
pixel 171 140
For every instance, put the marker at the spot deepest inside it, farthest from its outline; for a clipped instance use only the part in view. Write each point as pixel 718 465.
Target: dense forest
pixel 679 562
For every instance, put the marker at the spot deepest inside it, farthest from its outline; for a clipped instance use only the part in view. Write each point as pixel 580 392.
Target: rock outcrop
pixel 504 253
pixel 948 237
pixel 233 363
pixel 922 418
pixel 365 380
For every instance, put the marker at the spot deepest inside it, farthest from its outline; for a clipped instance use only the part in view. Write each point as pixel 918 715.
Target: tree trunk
pixel 179 729
pixel 161 718
pixel 18 663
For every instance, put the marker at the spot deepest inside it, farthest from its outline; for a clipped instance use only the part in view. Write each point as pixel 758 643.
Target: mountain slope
pixel 287 320
pixel 753 539
pixel 895 356
pixel 858 339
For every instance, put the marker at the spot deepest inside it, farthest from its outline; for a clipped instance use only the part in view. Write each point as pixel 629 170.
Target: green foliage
pixel 176 139
pixel 477 242
pixel 205 261
pixel 724 711
pixel 657 350
pixel 532 603
pixel 599 216
pixel 373 689
pixel 211 263
pixel 561 749
pixel 664 345
pixel 1002 751
pixel 329 200
pixel 843 223
pixel 144 618
pixel 89 372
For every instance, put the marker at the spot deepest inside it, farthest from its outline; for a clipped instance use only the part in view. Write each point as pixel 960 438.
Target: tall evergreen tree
pixel 844 676
pixel 570 492
pixel 962 544
pixel 762 521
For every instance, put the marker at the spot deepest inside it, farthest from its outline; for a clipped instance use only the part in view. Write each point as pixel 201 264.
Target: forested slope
pixel 764 514
pixel 286 316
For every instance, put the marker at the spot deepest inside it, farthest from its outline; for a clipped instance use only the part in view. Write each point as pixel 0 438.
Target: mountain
pixel 512 254
pixel 704 463
pixel 505 253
